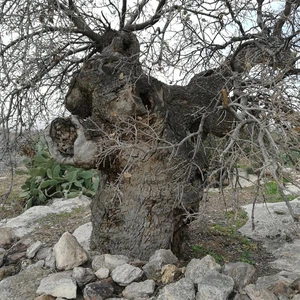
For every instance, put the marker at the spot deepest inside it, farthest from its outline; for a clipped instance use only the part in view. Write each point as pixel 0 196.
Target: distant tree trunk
pixel 141 135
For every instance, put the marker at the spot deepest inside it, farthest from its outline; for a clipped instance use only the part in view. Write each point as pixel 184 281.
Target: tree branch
pixel 284 17
pixel 234 17
pixel 155 18
pixel 137 12
pixel 73 14
pixel 123 14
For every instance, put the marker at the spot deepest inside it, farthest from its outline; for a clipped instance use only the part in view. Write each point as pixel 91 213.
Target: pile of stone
pixel 30 270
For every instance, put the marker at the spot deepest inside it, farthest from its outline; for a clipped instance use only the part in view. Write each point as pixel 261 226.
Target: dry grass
pixel 11 204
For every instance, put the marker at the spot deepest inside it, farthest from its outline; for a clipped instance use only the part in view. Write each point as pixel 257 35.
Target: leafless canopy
pixel 42 43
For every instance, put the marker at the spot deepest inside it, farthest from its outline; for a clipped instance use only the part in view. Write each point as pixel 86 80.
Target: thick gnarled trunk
pixel 133 129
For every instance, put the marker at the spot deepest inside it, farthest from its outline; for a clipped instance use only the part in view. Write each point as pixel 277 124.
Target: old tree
pixel 165 98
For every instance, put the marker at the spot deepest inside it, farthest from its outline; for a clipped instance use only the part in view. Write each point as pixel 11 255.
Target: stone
pixel 170 273
pixel 58 285
pixel 295 285
pixel 256 293
pixel 241 297
pixel 45 297
pixel 23 285
pixel 1 259
pixel 182 289
pixel 68 253
pixel 197 269
pixel 6 271
pixel 242 273
pixel 138 290
pixel 83 235
pixel 17 251
pixel 102 273
pixel 280 289
pixel 33 249
pixel 27 222
pixel 98 290
pixel 83 276
pixel 273 224
pixel 215 286
pixel 126 274
pixel 296 297
pixel 50 261
pixel 157 261
pixel 43 253
pixel 108 261
pixel 287 257
pixel 267 282
pixel 7 237
pixel 39 263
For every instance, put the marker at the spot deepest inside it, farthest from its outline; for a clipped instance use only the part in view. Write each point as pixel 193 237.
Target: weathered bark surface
pixel 131 126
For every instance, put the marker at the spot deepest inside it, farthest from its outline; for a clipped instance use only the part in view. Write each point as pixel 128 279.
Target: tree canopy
pixel 252 45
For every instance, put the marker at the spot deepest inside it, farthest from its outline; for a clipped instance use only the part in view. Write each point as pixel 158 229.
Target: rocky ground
pixel 215 244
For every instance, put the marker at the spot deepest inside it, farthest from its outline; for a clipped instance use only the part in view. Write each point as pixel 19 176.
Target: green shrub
pixel 48 179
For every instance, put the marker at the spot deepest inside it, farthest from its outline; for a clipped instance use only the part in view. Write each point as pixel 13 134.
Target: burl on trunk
pixel 133 129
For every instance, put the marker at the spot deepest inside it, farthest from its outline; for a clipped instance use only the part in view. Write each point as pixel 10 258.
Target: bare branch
pixel 154 19
pixel 284 17
pixel 123 14
pixel 137 12
pixel 73 14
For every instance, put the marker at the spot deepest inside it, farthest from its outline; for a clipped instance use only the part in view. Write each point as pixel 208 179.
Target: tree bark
pixel 133 129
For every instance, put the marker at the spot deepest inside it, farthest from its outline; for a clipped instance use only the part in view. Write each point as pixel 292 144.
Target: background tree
pixel 228 89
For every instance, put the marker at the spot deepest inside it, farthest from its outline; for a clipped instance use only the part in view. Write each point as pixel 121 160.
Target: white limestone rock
pixel 242 273
pixel 256 293
pixel 58 285
pixel 183 289
pixel 83 276
pixel 138 290
pixel 108 261
pixel 126 274
pixel 83 235
pixel 197 269
pixel 68 253
pixel 7 237
pixel 160 258
pixel 28 221
pixel 215 286
pixel 102 273
pixel 33 249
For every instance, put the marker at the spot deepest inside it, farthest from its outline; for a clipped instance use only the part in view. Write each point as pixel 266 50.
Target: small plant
pixel 273 194
pixel 245 257
pixel 48 179
pixel 204 251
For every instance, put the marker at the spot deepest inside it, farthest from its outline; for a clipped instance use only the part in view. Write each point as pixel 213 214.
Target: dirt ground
pixel 214 232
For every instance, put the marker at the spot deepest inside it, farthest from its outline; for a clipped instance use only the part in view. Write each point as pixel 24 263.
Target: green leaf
pixel 87 192
pixel 78 183
pixel 21 172
pixel 38 159
pixel 87 174
pixel 56 171
pixel 34 192
pixel 73 194
pixel 49 173
pixel 29 203
pixel 48 183
pixel 42 197
pixel 96 182
pixel 37 172
pixel 24 194
pixel 71 176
